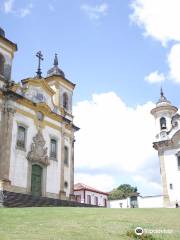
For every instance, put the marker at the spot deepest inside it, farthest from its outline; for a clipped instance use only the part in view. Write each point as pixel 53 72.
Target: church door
pixel 36 180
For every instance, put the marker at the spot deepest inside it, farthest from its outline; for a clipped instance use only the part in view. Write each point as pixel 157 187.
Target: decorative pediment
pixel 38 152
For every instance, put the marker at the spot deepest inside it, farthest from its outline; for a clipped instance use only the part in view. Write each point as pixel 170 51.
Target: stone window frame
pixel 52 137
pixel 3 64
pixel 163 122
pixel 65 100
pixel 20 124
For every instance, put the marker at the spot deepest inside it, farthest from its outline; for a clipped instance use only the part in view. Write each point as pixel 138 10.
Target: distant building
pixel 167 143
pixel 89 195
pixel 138 202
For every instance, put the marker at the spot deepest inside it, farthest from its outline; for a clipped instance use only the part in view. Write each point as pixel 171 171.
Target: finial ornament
pixel 162 94
pixel 55 60
pixel 39 55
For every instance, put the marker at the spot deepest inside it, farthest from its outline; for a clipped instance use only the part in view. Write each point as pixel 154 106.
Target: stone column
pixel 62 193
pixel 72 196
pixel 6 138
pixel 164 180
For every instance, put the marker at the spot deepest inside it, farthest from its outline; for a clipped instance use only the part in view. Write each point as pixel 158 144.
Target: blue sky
pixel 107 52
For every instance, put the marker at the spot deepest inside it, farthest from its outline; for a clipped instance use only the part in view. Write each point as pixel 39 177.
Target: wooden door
pixel 36 180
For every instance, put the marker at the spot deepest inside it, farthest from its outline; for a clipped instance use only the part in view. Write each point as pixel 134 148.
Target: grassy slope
pixel 84 223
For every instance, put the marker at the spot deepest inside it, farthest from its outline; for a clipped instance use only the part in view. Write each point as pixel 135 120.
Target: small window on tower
pixel 2 61
pixel 21 137
pixel 163 123
pixel 178 159
pixel 65 100
pixel 171 186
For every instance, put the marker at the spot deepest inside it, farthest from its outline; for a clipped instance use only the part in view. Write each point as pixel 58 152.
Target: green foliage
pixel 123 191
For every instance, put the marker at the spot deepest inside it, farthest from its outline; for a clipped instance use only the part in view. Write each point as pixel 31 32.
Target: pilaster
pixel 166 201
pixel 62 193
pixel 6 138
pixel 72 197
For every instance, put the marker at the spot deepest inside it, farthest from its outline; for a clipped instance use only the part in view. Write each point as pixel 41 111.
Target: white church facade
pixel 167 144
pixel 36 130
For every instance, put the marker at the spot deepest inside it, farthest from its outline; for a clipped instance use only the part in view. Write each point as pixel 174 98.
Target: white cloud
pixel 114 139
pixel 23 12
pixel 10 7
pixel 51 7
pixel 155 77
pixel 174 63
pixel 101 182
pixel 160 20
pixel 95 12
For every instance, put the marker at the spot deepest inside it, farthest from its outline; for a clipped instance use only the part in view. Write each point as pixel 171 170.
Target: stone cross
pixel 39 55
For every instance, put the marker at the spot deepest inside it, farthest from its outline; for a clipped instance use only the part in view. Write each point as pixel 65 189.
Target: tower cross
pixel 39 55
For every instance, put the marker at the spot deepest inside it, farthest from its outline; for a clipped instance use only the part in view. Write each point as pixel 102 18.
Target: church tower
pixel 7 50
pixel 167 143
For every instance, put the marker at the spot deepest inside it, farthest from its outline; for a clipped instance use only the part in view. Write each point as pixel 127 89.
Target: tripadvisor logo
pixel 139 231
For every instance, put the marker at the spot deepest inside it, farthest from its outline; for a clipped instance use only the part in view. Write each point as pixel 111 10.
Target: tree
pixel 121 192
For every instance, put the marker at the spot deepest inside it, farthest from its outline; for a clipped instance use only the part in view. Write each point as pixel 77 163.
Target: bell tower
pixel 167 144
pixel 7 50
pixel 163 113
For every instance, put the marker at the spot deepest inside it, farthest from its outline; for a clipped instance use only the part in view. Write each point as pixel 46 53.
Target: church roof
pixel 81 186
pixel 163 100
pixel 55 70
pixel 2 37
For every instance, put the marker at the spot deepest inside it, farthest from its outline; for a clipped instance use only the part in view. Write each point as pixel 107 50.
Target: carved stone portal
pixel 38 152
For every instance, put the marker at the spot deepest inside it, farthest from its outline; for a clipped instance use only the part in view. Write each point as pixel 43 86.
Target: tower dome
pixel 55 70
pixel 2 32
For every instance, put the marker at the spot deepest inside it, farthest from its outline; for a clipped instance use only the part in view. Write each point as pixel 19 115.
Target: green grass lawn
pixel 84 223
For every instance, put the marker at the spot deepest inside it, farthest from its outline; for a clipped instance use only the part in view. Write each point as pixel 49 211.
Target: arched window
pixel 65 100
pixel 66 155
pixel 2 61
pixel 163 123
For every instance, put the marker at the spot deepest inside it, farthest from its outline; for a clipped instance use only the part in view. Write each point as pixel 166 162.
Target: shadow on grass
pixel 144 236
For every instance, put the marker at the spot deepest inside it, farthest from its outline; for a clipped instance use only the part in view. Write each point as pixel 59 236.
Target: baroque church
pixel 167 144
pixel 36 130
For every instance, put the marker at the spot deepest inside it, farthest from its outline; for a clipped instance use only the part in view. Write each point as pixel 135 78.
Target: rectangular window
pixel 21 137
pixel 53 151
pixel 105 202
pixel 88 199
pixel 96 201
pixel 171 186
pixel 178 159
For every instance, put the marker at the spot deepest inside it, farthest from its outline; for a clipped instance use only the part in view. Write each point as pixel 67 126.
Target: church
pixel 36 130
pixel 167 144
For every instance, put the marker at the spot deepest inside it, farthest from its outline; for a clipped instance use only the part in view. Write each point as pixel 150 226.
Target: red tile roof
pixel 81 186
